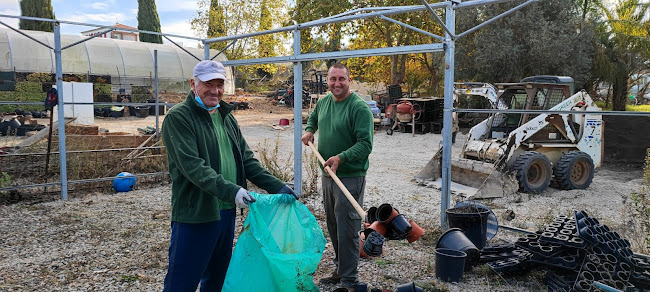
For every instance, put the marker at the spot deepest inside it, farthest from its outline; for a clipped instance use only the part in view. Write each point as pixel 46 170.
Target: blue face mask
pixel 201 104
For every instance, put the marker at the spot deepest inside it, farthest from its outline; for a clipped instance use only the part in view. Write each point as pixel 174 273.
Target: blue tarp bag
pixel 279 248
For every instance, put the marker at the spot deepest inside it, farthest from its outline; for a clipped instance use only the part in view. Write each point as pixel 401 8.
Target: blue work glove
pixel 287 190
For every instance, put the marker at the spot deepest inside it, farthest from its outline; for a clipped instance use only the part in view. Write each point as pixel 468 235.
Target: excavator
pixel 527 152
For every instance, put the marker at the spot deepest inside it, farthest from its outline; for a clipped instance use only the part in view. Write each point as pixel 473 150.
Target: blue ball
pixel 124 182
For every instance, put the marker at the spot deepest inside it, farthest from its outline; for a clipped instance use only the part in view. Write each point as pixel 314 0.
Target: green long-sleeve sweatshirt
pixel 199 190
pixel 345 128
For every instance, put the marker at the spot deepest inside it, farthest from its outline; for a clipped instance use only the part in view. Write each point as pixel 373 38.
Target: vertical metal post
pixel 206 51
pixel 61 119
pixel 155 72
pixel 450 46
pixel 297 115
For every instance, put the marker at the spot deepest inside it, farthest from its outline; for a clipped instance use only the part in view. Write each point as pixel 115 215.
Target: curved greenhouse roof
pixel 100 56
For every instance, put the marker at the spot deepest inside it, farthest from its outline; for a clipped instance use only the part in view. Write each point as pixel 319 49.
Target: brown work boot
pixel 331 280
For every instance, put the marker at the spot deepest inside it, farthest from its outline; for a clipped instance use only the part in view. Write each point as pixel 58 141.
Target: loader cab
pixel 525 96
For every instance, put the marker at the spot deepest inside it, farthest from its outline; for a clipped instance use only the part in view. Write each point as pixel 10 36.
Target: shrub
pixel 641 205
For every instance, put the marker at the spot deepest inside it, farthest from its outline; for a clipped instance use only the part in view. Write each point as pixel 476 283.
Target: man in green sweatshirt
pixel 209 163
pixel 345 125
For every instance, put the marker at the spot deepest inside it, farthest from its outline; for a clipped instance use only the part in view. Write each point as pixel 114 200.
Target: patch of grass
pixel 640 206
pixel 430 236
pixel 432 286
pixel 312 173
pixel 269 152
pixel 129 278
pixel 384 262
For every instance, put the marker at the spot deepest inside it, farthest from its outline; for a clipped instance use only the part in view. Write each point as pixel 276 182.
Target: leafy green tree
pixel 308 10
pixel 623 46
pixel 36 8
pixel 545 38
pixel 148 20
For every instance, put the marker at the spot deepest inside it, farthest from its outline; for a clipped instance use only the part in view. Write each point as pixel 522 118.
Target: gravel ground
pixel 118 242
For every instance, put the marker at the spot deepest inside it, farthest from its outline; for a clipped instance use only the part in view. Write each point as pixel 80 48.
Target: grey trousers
pixel 343 225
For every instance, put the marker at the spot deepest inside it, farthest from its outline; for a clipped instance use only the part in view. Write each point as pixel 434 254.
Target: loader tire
pixel 575 170
pixel 533 172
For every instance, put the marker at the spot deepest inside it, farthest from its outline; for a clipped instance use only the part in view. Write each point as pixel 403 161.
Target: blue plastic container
pixel 124 182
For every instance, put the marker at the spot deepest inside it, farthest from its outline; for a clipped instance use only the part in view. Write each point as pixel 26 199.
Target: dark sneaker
pixel 331 280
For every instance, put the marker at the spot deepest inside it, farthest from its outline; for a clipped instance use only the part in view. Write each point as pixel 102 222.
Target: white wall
pixel 78 92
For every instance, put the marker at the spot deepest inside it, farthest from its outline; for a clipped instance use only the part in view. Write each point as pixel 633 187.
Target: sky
pixel 174 15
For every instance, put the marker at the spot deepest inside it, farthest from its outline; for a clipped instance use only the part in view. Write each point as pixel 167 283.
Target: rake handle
pixel 338 182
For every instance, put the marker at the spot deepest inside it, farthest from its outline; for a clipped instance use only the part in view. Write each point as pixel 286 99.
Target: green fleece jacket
pixel 198 189
pixel 345 129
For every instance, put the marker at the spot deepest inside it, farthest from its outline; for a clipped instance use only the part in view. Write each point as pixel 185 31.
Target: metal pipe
pixel 515 229
pixel 206 51
pixel 522 5
pixel 85 103
pixel 297 115
pixel 401 50
pixel 604 287
pixel 15 188
pixel 26 35
pixel 97 25
pixel 181 47
pixel 82 151
pixel 89 38
pixel 155 70
pixel 435 36
pixel 61 119
pixel 228 46
pixel 450 48
pixel 435 16
pixel 515 111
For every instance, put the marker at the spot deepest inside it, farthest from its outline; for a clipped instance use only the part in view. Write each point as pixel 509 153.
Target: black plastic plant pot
pixel 400 225
pixel 450 264
pixel 371 215
pixel 472 222
pixel 386 213
pixel 373 244
pixel 409 287
pixel 455 239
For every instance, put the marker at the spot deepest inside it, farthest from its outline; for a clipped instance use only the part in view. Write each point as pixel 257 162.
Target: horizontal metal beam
pixel 53 184
pixel 98 25
pixel 3 102
pixel 428 48
pixel 513 111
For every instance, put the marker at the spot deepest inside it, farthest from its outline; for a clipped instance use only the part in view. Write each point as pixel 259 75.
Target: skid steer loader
pixel 510 152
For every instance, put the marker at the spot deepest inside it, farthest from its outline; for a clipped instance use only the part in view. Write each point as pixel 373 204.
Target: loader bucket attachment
pixel 490 182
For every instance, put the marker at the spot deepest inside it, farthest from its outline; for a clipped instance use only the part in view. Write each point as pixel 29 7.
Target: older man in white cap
pixel 209 163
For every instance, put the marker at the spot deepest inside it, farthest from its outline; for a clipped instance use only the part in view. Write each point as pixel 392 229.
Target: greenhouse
pixel 127 62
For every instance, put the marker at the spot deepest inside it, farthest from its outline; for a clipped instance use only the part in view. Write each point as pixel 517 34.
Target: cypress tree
pixel 148 20
pixel 216 24
pixel 36 8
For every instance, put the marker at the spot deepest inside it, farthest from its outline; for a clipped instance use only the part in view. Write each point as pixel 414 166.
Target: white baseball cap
pixel 208 70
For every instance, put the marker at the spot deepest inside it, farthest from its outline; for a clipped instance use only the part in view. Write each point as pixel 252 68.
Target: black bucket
pixel 455 239
pixel 450 264
pixel 473 221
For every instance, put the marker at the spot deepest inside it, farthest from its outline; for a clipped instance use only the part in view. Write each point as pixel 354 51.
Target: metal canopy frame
pixel 447 45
